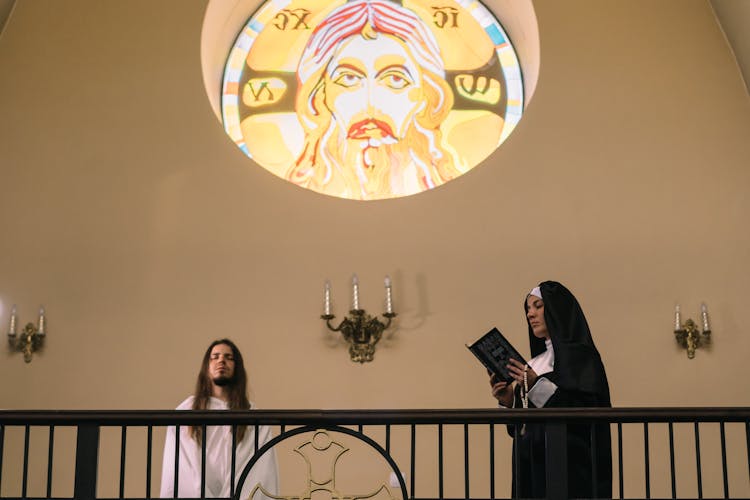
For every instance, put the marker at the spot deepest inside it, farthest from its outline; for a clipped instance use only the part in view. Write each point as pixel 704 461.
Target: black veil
pixel 578 366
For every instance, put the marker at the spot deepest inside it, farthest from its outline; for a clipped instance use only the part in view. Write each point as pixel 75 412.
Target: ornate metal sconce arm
pixel 28 341
pixel 361 331
pixel 689 337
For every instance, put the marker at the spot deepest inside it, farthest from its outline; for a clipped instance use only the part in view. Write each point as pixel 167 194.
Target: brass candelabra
pixel 688 335
pixel 30 339
pixel 360 330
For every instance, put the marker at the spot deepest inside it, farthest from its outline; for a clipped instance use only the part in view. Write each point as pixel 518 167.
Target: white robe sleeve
pixel 543 389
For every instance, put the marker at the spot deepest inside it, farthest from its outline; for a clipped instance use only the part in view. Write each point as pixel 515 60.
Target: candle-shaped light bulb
pixel 42 321
pixel 355 293
pixel 12 326
pixel 677 318
pixel 704 317
pixel 327 303
pixel 388 295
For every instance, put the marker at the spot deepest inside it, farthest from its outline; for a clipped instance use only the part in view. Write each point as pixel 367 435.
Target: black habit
pixel 581 382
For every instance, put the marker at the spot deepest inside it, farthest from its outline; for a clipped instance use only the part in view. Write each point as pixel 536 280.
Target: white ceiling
pixel 732 15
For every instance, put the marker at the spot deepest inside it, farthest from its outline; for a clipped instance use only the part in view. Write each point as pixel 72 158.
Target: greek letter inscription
pixel 474 85
pixel 263 86
pixel 445 16
pixel 294 19
pixel 263 91
pixel 479 88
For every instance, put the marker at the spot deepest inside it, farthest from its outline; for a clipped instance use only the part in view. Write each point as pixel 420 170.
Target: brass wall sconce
pixel 687 334
pixel 360 330
pixel 31 337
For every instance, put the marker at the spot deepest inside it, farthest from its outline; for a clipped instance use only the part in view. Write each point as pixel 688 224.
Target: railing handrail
pixel 371 417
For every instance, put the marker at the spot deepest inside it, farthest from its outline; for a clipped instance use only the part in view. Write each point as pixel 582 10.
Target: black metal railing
pixel 34 464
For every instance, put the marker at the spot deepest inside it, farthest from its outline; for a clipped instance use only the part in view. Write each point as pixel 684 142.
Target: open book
pixel 494 351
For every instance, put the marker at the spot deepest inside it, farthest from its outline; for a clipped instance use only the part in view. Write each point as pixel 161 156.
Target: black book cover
pixel 494 351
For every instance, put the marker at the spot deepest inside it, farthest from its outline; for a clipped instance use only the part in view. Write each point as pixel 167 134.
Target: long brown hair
pixel 237 388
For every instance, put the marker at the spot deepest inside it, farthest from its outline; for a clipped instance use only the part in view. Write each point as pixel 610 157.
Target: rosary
pixel 525 394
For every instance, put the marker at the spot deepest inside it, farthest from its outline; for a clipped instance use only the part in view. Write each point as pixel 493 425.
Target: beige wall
pixel 146 233
pixel 128 213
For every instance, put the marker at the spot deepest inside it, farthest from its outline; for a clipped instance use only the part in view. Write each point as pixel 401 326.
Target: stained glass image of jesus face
pixel 372 96
pixel 375 110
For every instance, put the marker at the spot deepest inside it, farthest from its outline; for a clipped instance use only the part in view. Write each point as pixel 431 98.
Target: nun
pixel 565 371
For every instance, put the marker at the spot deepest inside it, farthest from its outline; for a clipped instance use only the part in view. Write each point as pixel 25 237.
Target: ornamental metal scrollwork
pixel 322 454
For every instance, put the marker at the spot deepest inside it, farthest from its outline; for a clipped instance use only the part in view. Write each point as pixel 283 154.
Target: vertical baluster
pixel 203 460
pixel 466 461
pixel 516 459
pixel 619 459
pixel 87 457
pixel 24 484
pixel 532 458
pixel 594 472
pixel 698 460
pixel 646 460
pixel 123 444
pixel 724 459
pixel 492 460
pixel 440 461
pixel 414 458
pixel 257 430
pixel 176 460
pixel 234 459
pixel 388 438
pixel 50 457
pixel 671 460
pixel 149 446
pixel 2 452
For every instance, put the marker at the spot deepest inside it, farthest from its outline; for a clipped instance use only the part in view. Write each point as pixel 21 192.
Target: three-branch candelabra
pixel 360 330
pixel 688 335
pixel 30 339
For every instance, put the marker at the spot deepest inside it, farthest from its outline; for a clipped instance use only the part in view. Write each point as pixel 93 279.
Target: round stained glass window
pixel 371 99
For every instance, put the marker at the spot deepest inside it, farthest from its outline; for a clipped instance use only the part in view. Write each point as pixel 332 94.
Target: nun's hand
pixel 502 391
pixel 516 369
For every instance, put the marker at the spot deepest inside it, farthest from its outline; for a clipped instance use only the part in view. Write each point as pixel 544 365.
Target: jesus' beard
pixel 382 167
